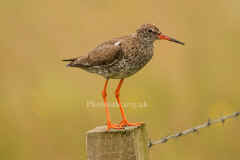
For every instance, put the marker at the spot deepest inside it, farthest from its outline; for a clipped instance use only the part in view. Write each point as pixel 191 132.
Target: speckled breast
pixel 131 63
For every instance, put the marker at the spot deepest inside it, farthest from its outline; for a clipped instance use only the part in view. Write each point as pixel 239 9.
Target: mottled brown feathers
pixel 120 57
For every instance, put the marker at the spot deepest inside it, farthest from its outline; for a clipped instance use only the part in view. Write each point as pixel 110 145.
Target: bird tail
pixel 77 62
pixel 71 60
pixel 67 60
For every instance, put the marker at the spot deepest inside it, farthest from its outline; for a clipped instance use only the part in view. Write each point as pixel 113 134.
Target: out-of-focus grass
pixel 44 112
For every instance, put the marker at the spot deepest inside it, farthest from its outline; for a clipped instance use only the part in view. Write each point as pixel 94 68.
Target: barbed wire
pixel 194 129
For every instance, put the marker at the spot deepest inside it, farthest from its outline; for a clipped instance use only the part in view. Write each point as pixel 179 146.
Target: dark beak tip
pixel 179 42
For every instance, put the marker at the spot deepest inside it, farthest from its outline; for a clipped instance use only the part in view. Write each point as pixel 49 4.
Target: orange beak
pixel 160 36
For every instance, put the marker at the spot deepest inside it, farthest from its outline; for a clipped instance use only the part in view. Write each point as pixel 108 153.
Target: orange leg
pixel 124 122
pixel 104 95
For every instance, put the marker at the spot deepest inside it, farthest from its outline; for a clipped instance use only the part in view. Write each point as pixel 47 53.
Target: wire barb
pixel 194 129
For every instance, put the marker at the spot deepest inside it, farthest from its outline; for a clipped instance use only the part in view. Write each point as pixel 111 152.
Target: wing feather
pixel 105 54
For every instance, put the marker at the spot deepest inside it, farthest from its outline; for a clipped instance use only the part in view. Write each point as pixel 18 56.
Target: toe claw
pixel 125 123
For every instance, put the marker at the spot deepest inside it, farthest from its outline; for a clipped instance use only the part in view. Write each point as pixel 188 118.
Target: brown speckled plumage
pixel 120 57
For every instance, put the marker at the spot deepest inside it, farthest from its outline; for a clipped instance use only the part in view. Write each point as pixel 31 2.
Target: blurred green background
pixel 45 107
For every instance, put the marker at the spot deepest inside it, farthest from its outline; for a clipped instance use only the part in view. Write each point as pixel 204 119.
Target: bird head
pixel 150 33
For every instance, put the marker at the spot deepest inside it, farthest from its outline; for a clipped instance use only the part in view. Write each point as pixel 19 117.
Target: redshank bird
pixel 120 58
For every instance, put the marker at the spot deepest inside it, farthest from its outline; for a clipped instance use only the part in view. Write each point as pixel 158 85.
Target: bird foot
pixel 113 126
pixel 125 123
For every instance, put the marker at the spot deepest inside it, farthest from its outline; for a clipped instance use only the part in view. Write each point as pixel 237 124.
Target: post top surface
pixel 103 129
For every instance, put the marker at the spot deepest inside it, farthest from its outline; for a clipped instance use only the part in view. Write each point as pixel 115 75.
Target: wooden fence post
pixel 130 143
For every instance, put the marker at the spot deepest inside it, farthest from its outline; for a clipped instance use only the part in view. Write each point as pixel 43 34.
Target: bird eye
pixel 150 31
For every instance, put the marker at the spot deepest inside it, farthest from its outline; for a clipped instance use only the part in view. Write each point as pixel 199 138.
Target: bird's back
pixel 117 58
